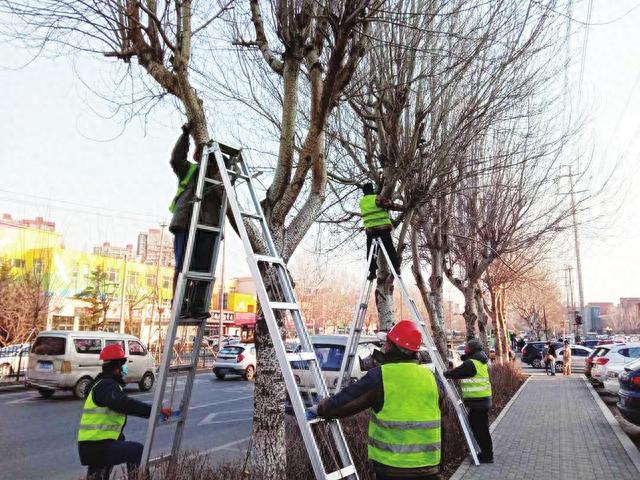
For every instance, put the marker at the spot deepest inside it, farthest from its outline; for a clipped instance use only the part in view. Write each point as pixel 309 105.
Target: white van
pixel 64 360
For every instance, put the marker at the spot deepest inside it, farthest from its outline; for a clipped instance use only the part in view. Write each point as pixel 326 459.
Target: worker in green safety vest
pixel 377 224
pixel 405 403
pixel 101 443
pixel 475 384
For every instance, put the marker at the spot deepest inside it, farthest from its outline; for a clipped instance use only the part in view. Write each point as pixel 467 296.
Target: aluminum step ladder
pixel 324 439
pixel 189 314
pixel 355 331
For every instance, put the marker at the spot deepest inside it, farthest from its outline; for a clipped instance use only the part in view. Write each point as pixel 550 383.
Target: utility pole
pixel 123 291
pixel 546 328
pixel 220 320
pixel 156 296
pixel 577 248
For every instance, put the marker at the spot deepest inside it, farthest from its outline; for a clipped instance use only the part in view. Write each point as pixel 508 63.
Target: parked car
pixel 532 353
pixel 579 356
pixel 592 343
pixel 13 358
pixel 610 382
pixel 629 392
pixel 236 359
pixel 68 360
pixel 591 359
pixel 617 354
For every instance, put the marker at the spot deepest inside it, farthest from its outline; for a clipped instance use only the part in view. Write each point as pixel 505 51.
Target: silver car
pixel 236 359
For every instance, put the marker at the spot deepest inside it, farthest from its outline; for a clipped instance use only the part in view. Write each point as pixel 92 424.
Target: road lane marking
pixel 210 419
pixel 223 447
pixel 213 404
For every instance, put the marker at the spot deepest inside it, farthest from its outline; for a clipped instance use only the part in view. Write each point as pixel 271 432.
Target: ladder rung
pixel 207 277
pixel 284 306
pixel 316 420
pixel 238 174
pixel 342 473
pixel 226 149
pixel 301 356
pixel 213 182
pixel 181 368
pixel 208 228
pixel 268 259
pixel 250 215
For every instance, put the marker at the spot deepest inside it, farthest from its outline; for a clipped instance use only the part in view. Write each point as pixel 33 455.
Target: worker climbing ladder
pixel 324 440
pixel 438 362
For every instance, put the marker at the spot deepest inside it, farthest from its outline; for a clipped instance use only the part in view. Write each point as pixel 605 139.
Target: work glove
pixel 446 374
pixel 166 412
pixel 311 412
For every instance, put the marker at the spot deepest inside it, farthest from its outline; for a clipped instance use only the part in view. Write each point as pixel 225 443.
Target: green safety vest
pixel 372 214
pixel 406 432
pixel 99 423
pixel 479 385
pixel 182 185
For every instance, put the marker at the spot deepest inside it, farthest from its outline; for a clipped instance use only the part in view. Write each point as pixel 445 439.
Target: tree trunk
pixel 495 315
pixel 482 320
pixel 470 313
pixel 384 296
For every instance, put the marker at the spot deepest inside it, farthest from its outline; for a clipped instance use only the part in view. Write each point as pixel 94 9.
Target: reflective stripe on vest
pixel 182 186
pixel 406 432
pixel 478 386
pixel 372 214
pixel 99 423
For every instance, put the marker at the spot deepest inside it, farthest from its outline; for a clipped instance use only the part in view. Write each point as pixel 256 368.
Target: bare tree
pixel 99 293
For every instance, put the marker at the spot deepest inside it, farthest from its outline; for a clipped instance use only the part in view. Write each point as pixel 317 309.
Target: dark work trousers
pixel 387 241
pixel 195 294
pixel 479 421
pixel 116 453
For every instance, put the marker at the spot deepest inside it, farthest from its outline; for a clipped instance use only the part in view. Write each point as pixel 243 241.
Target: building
pixel 149 249
pixel 597 314
pixel 37 223
pixel 108 250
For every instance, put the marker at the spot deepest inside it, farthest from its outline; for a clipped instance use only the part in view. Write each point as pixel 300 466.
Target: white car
pixel 611 382
pixel 13 358
pixel 613 355
pixel 67 360
pixel 236 359
pixel 579 356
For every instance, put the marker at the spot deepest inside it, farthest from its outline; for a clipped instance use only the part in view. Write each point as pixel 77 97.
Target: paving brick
pixel 555 429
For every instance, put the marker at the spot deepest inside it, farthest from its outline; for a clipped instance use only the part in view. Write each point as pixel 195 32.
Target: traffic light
pixel 578 317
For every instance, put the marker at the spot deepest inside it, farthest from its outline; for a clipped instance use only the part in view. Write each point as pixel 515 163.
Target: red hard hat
pixel 406 334
pixel 112 352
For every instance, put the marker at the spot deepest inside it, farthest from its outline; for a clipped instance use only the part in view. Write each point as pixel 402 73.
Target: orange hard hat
pixel 112 352
pixel 406 334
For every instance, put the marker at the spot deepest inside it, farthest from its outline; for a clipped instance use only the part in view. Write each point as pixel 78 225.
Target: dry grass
pixel 505 380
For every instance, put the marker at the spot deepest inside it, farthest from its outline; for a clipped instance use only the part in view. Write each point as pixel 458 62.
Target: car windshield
pixel 49 346
pixel 329 356
pixel 231 350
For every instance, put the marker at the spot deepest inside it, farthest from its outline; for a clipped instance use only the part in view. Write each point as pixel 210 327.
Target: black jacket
pixel 210 209
pixel 107 393
pixel 467 370
pixel 368 392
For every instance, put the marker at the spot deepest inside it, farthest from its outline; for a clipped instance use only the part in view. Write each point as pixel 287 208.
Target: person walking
pixel 566 358
pixel 101 443
pixel 405 401
pixel 551 358
pixel 377 224
pixel 473 374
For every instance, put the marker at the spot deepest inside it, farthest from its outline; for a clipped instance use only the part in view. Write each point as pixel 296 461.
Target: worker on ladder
pixel 181 208
pixel 405 399
pixel 101 444
pixel 377 224
pixel 476 393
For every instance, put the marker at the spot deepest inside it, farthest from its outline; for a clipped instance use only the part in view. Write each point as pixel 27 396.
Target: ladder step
pixel 342 473
pixel 268 259
pixel 213 182
pixel 301 357
pixel 284 306
pixel 207 277
pixel 208 228
pixel 251 215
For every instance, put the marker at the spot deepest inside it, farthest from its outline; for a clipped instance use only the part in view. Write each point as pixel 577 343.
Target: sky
pixel 63 158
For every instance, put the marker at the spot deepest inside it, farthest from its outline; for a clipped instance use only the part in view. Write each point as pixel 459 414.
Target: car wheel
pixel 219 375
pixel 146 382
pixel 537 363
pixel 80 390
pixel 249 373
pixel 46 393
pixel 5 370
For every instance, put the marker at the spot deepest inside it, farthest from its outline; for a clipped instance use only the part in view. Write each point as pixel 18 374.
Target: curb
pixel 466 464
pixel 627 444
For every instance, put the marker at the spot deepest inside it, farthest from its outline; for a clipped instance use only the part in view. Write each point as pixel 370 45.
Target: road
pixel 38 436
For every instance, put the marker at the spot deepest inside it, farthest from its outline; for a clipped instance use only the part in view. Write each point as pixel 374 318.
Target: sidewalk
pixel 555 428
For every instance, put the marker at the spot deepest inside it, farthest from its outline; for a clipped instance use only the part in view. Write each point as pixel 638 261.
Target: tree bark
pixel 470 313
